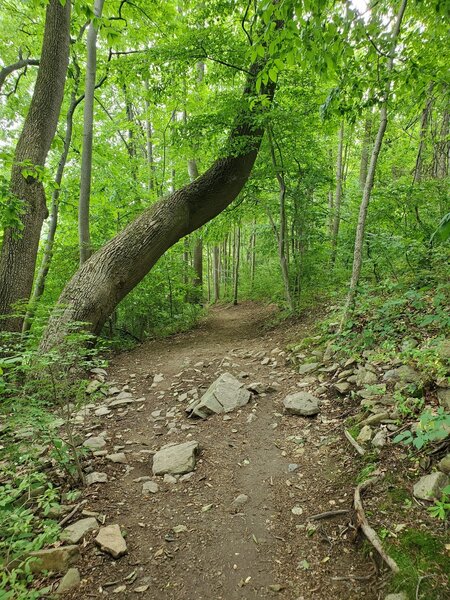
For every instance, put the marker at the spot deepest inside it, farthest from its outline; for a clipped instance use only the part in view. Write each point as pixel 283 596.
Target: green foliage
pixel 431 427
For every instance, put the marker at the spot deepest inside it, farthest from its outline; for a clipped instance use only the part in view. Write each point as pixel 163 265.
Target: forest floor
pixel 261 549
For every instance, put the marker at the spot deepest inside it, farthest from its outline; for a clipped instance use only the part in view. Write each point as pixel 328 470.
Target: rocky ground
pixel 251 503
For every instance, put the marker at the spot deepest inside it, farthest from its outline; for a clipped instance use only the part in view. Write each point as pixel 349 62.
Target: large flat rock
pixel 111 540
pixel 429 487
pixel 76 531
pixel 54 559
pixel 223 396
pixel 175 459
pixel 303 404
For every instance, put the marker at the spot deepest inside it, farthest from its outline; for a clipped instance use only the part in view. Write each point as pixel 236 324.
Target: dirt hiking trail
pixel 189 541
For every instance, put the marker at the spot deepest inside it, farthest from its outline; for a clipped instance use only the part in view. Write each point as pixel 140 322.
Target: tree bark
pixel 338 194
pixel 20 245
pixel 39 285
pixel 216 275
pixel 112 272
pixel 237 255
pixel 368 186
pixel 365 152
pixel 88 125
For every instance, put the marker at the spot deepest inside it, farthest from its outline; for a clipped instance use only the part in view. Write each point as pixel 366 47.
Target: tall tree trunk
pixel 216 272
pixel 88 125
pixel 281 234
pixel 338 194
pixel 39 284
pixel 253 256
pixel 367 138
pixel 197 282
pixel 368 186
pixel 237 255
pixel 151 184
pixel 20 244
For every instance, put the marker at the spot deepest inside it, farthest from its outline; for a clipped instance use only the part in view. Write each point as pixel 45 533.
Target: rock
pixel 119 457
pixel 240 500
pixel 170 479
pixel 308 368
pixel 376 418
pixel 399 596
pixel 93 386
pixel 257 387
pixel 111 540
pixel 297 510
pixel 102 411
pixel 444 350
pixel 408 344
pixel 175 459
pixel 94 443
pixel 403 374
pixel 150 487
pixel 365 377
pixel 265 361
pixel 429 487
pixel 444 465
pixel 224 395
pixel 379 439
pixel 70 580
pixel 96 477
pixel 292 467
pixel 76 531
pixel 365 435
pixel 186 477
pixel 121 401
pixel 158 378
pixel 443 395
pixel 54 559
pixel 301 403
pixel 342 388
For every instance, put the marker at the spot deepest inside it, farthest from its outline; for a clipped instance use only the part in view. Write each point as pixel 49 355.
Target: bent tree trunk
pixel 20 244
pixel 114 270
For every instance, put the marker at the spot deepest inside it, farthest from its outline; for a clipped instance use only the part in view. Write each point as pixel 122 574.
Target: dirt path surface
pixel 258 549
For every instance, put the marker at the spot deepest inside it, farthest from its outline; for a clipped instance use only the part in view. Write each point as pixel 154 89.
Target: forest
pixel 238 207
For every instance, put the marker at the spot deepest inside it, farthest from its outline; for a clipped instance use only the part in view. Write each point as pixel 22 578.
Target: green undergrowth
pixel 424 561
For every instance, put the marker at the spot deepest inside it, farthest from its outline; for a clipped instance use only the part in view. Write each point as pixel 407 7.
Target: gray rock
pixel 342 388
pixel 444 465
pixel 95 443
pixel 376 418
pixel 150 487
pixel 365 435
pixel 429 487
pixel 403 374
pixel 93 386
pixel 70 581
pixel 170 479
pixel 443 395
pixel 54 559
pixel 119 457
pixel 301 403
pixel 96 477
pixel 76 531
pixel 224 395
pixel 175 459
pixel 120 402
pixel 444 350
pixel 308 368
pixel 111 540
pixel 292 467
pixel 102 411
pixel 379 439
pixel 399 596
pixel 260 388
pixel 365 377
pixel 240 500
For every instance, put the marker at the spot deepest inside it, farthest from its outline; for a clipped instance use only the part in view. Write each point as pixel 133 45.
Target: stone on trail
pixel 403 374
pixel 365 435
pixel 102 411
pixel 76 531
pixel 118 457
pixel 444 464
pixel 94 443
pixel 429 487
pixel 380 439
pixel 303 404
pixel 240 500
pixel 70 580
pixel 175 459
pixel 224 395
pixel 342 388
pixel 308 368
pixel 111 540
pixel 96 477
pixel 150 487
pixel 399 596
pixel 54 559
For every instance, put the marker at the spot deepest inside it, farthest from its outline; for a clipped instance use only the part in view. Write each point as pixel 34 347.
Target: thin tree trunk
pixel 365 151
pixel 281 234
pixel 39 285
pixel 338 194
pixel 88 126
pixel 359 240
pixel 197 282
pixel 253 256
pixel 208 268
pixel 237 253
pixel 20 244
pixel 216 268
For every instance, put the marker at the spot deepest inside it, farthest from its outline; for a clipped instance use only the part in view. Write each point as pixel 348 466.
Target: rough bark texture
pixel 112 272
pixel 237 256
pixel 19 249
pixel 365 151
pixel 338 194
pixel 88 126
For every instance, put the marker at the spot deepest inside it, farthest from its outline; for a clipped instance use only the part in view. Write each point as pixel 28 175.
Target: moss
pixel 420 554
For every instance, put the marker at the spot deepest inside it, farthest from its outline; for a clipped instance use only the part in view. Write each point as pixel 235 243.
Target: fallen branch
pixel 354 443
pixel 328 515
pixel 370 533
pixel 72 513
